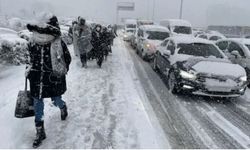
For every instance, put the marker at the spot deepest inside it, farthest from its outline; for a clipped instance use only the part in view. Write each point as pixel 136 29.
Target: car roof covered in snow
pixel 130 21
pixel 7 31
pixel 240 40
pixel 178 22
pixel 189 40
pixel 154 28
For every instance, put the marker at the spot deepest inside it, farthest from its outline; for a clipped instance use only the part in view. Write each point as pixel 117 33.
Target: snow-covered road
pixel 107 109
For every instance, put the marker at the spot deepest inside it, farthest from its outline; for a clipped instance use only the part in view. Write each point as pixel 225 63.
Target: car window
pixel 171 47
pixel 182 30
pixel 235 47
pixel 140 33
pixel 214 38
pixel 222 45
pixel 202 36
pixel 154 35
pixel 199 49
pixel 164 44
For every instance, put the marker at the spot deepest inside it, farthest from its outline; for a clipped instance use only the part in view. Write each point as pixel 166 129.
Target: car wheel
pixel 143 55
pixel 155 67
pixel 172 83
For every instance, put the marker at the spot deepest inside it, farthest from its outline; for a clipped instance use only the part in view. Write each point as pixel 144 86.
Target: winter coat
pixel 97 39
pixel 84 39
pixel 43 82
pixel 76 38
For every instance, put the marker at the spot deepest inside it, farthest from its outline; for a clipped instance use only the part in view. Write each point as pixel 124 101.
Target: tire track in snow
pixel 178 132
pixel 227 126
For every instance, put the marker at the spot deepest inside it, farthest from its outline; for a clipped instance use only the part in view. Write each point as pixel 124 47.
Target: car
pixel 128 34
pixel 25 34
pixel 134 37
pixel 211 35
pixel 149 36
pixel 238 51
pixel 198 67
pixel 177 26
pixel 13 49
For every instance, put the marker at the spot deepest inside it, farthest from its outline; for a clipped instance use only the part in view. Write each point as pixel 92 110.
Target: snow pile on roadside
pixel 105 110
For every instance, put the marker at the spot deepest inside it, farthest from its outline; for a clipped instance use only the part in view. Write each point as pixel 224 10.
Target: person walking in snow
pixel 48 65
pixel 97 42
pixel 76 37
pixel 70 33
pixel 84 41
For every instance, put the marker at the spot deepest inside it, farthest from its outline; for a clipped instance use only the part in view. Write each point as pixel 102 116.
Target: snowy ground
pixel 107 109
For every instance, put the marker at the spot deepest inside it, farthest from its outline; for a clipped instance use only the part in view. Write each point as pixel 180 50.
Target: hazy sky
pixel 198 12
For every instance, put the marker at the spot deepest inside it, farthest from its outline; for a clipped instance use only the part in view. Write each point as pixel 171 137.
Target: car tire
pixel 172 83
pixel 144 56
pixel 155 67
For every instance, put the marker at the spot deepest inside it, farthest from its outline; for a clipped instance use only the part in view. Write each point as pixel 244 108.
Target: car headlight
pixel 187 75
pixel 150 46
pixel 243 78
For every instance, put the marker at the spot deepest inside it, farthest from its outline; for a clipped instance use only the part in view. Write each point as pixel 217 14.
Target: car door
pixel 140 39
pixel 160 53
pixel 166 64
pixel 233 46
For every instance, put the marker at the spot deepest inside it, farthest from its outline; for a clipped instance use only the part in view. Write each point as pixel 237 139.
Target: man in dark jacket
pixel 45 80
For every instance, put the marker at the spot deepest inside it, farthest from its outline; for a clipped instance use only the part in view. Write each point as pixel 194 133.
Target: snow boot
pixel 40 134
pixel 64 112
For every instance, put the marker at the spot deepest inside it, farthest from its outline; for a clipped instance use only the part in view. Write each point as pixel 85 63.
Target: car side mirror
pixel 236 54
pixel 166 53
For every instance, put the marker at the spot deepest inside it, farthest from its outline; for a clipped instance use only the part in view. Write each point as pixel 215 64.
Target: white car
pixel 148 38
pixel 238 51
pixel 197 66
pixel 177 26
pixel 25 34
pixel 211 35
pixel 128 34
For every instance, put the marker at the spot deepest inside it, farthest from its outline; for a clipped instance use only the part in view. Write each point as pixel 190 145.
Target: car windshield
pixel 130 31
pixel 215 38
pixel 199 49
pixel 155 35
pixel 131 26
pixel 182 30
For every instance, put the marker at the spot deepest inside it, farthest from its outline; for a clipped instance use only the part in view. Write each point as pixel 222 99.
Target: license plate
pixel 217 86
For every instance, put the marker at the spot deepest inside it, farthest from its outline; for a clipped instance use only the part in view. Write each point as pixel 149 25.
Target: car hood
pixel 214 66
pixel 154 42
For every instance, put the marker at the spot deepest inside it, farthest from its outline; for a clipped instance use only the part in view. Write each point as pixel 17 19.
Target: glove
pixel 31 27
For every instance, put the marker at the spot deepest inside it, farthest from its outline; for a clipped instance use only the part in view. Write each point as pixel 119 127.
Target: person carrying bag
pixel 24 104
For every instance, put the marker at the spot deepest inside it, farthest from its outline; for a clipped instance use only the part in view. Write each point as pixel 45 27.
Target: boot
pixel 64 112
pixel 40 135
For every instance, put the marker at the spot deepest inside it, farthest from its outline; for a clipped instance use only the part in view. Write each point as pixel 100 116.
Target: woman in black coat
pixel 97 43
pixel 45 82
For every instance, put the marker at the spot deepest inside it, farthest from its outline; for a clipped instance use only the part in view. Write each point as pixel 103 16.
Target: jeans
pixel 39 107
pixel 83 58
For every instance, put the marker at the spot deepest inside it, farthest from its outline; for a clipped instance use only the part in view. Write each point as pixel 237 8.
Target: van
pixel 177 26
pixel 130 28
